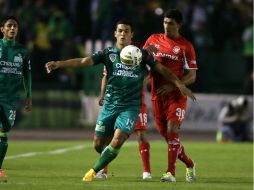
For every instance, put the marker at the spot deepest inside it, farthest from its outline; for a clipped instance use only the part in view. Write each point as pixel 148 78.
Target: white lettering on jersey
pixel 159 54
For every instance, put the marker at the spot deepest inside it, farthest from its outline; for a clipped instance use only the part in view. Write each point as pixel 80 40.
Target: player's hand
pixel 29 105
pixel 165 89
pixel 101 101
pixel 186 92
pixel 151 49
pixel 50 66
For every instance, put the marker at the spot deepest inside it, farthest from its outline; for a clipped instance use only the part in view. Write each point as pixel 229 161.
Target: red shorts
pixel 141 122
pixel 169 109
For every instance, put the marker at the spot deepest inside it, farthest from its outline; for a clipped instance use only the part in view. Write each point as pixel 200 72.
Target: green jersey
pixel 15 70
pixel 124 84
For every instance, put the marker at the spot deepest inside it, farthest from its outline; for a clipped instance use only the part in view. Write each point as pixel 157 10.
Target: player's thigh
pixel 159 117
pixel 141 123
pixel 126 121
pixel 7 117
pixel 176 111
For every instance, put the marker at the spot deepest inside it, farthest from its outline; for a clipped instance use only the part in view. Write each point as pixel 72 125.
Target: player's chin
pixel 11 36
pixel 169 34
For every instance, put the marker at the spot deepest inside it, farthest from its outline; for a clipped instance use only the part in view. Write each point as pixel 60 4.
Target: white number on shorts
pixel 129 124
pixel 12 115
pixel 143 118
pixel 180 113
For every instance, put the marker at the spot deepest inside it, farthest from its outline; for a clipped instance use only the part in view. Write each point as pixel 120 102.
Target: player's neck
pixel 8 41
pixel 121 46
pixel 174 36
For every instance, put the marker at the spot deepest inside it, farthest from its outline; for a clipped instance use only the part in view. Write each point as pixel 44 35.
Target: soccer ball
pixel 131 56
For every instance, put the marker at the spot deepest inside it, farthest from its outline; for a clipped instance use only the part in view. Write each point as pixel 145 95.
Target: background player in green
pixel 15 69
pixel 123 92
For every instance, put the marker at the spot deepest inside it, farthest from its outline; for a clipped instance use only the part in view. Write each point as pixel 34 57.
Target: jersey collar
pixel 117 49
pixel 175 38
pixel 8 42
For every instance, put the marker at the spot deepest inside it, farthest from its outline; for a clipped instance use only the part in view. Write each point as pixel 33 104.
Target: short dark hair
pixel 174 14
pixel 6 18
pixel 126 22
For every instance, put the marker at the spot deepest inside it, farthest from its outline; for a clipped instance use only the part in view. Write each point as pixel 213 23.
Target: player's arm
pixel 27 80
pixel 77 62
pixel 171 77
pixel 225 117
pixel 190 65
pixel 189 76
pixel 103 89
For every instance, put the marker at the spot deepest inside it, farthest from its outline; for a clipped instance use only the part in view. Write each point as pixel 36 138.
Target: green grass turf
pixel 219 167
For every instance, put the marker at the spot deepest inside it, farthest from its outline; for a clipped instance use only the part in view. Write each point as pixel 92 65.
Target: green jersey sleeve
pixel 27 76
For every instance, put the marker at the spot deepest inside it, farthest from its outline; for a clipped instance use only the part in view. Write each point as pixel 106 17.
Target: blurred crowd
pixel 55 30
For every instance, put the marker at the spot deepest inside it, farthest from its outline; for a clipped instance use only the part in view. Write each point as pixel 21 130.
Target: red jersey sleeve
pixel 190 57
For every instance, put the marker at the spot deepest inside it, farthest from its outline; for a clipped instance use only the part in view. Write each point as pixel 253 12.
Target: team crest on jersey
pixel 112 57
pixel 176 49
pixel 157 46
pixel 18 58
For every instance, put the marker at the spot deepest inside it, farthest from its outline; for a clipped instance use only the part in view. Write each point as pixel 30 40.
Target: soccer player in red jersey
pixel 178 55
pixel 140 130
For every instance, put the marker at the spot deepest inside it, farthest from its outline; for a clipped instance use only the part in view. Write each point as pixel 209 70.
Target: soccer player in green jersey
pixel 123 92
pixel 15 69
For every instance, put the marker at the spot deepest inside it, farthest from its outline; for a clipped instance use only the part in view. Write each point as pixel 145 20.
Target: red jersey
pixel 176 54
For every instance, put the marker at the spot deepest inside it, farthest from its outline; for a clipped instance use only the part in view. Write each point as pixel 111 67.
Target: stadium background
pixel 221 31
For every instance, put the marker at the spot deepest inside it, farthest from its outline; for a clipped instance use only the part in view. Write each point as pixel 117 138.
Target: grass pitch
pixel 43 165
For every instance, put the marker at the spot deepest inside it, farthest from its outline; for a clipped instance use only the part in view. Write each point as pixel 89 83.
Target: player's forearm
pixel 168 75
pixel 77 62
pixel 189 77
pixel 231 119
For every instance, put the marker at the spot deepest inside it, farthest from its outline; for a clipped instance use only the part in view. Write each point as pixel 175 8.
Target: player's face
pixel 171 27
pixel 123 35
pixel 10 29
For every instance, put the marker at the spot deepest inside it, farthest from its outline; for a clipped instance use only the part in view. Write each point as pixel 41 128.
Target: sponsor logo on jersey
pixel 157 45
pixel 160 54
pixel 18 58
pixel 123 70
pixel 10 67
pixel 176 49
pixel 112 57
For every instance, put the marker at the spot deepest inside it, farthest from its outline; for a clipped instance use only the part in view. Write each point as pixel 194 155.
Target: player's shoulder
pixel 184 41
pixel 110 50
pixel 154 36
